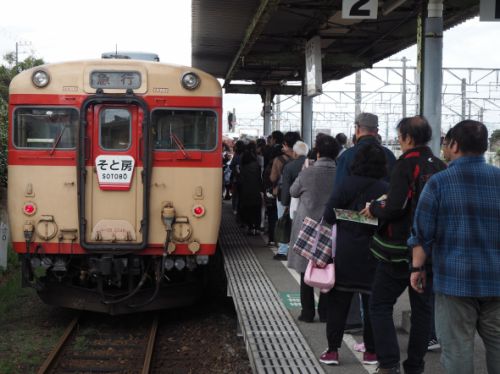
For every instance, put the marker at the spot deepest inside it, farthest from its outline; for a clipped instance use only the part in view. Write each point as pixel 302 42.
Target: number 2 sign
pixel 359 9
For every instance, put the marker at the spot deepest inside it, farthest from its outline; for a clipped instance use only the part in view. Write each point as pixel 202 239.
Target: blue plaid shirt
pixel 458 216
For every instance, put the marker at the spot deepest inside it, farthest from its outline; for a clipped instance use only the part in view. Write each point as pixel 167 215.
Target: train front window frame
pixel 45 127
pixel 113 139
pixel 191 129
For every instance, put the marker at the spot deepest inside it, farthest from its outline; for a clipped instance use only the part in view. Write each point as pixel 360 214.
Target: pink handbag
pixel 323 278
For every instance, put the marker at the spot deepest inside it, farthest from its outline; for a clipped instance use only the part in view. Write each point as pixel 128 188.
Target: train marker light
pixel 29 208
pixel 190 81
pixel 40 78
pixel 198 211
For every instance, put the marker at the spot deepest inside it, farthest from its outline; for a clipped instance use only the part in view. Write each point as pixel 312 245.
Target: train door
pixel 114 190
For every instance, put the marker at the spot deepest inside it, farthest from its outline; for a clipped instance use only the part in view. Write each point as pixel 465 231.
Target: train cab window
pixel 189 129
pixel 114 129
pixel 52 128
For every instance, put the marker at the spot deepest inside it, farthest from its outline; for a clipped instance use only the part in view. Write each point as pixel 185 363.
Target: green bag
pixel 283 228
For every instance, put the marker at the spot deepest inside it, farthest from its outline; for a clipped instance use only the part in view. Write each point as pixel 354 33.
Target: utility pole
pixel 20 44
pixel 403 96
pixel 357 95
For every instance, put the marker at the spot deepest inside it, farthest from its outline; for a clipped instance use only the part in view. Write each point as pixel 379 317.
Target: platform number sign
pixel 489 10
pixel 359 9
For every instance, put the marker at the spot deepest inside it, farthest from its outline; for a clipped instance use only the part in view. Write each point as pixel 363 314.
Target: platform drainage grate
pixel 274 342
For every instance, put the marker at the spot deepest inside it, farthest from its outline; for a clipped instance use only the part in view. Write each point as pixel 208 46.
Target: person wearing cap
pixel 366 131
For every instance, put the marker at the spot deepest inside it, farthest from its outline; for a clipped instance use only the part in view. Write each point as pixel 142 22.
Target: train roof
pixel 73 77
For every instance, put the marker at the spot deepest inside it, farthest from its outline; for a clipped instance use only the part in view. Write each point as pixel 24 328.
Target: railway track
pixel 104 344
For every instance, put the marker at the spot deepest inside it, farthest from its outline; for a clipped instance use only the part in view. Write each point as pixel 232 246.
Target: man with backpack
pixel 395 213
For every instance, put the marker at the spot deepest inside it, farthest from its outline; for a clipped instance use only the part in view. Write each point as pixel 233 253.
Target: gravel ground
pixel 199 339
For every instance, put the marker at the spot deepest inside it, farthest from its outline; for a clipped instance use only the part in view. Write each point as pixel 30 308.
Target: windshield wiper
pixel 179 145
pixel 57 140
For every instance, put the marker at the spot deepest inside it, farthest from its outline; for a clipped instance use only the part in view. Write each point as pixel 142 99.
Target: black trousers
pixel 307 301
pixel 339 303
pixel 272 217
pixel 390 282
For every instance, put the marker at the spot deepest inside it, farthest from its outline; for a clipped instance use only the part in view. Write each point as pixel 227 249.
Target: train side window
pixel 191 129
pixel 114 129
pixel 44 127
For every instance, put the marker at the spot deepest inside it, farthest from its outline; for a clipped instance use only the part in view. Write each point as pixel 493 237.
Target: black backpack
pixel 390 250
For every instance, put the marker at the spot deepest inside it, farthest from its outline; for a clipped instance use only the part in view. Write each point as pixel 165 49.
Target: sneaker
pixel 370 358
pixel 279 257
pixel 433 345
pixel 329 358
pixel 359 347
pixel 271 244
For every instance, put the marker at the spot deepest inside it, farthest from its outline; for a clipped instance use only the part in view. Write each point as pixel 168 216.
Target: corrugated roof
pixel 263 41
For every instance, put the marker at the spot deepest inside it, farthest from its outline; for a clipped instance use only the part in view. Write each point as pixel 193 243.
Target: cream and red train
pixel 115 180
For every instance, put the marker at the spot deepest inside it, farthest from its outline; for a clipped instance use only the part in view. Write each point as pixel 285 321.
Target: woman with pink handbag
pixel 312 186
pixel 354 264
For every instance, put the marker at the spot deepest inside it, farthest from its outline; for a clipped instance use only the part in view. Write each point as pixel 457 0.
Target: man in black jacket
pixel 395 214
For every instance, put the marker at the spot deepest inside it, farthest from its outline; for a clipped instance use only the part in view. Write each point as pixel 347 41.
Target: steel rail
pixel 150 346
pixel 55 352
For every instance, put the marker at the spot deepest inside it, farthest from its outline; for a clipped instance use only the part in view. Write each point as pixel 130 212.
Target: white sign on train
pixel 359 9
pixel 489 10
pixel 114 171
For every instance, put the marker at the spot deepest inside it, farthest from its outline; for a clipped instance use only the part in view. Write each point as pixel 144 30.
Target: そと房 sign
pixel 114 172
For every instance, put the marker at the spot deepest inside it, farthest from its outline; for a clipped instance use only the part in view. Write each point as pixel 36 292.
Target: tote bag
pixel 283 229
pixel 316 242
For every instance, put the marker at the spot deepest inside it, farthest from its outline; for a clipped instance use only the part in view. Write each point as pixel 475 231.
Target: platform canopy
pixel 262 41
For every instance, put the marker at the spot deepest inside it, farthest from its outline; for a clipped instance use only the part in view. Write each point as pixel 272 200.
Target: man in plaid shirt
pixel 457 221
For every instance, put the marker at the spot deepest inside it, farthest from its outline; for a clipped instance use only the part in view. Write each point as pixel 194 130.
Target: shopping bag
pixel 294 204
pixel 323 278
pixel 283 229
pixel 316 242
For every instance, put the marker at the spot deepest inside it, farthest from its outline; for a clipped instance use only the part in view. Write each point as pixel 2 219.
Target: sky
pixel 56 30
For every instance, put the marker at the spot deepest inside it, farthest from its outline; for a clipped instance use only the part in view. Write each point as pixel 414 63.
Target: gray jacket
pixel 313 186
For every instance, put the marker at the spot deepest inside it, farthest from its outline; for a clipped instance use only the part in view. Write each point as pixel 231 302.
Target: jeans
pixel 391 279
pixel 338 308
pixel 282 247
pixel 457 319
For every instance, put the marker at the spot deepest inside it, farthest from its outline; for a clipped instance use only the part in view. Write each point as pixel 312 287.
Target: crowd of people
pixel 436 234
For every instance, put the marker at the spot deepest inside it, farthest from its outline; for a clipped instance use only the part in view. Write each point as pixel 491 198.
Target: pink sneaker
pixel 369 358
pixel 329 358
pixel 359 347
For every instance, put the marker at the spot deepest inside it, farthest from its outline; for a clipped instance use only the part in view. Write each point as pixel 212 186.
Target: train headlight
pixel 29 208
pixel 190 81
pixel 40 78
pixel 198 211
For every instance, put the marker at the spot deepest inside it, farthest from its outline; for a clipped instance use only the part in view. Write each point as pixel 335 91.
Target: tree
pixel 7 72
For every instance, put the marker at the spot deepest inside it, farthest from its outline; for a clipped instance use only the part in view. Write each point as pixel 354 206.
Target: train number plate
pixel 114 172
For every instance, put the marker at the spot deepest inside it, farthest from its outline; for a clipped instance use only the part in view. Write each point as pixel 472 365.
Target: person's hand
pixel 366 212
pixel 418 281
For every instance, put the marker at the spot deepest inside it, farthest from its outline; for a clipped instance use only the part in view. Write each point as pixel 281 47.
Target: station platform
pixel 267 300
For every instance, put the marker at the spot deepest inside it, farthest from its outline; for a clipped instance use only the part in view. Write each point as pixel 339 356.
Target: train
pixel 115 180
